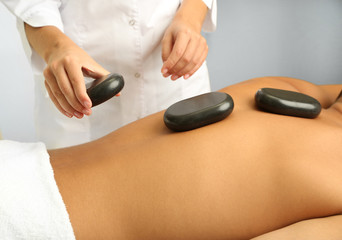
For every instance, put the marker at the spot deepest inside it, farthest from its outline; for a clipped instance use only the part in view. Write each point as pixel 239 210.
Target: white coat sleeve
pixel 210 21
pixel 36 13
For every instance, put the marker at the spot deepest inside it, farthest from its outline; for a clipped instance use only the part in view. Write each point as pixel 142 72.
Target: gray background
pixel 254 38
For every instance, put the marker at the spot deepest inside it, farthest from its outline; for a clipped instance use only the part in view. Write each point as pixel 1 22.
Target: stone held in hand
pixel 105 88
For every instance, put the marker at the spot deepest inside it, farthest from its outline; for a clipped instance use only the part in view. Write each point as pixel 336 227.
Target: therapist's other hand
pixel 184 49
pixel 64 81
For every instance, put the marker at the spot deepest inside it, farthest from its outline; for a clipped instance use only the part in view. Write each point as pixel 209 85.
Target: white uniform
pixel 124 36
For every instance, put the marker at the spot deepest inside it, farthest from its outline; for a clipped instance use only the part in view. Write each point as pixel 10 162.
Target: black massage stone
pixel 104 88
pixel 287 103
pixel 198 111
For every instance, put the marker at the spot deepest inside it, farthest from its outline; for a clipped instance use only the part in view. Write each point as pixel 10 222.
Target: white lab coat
pixel 124 36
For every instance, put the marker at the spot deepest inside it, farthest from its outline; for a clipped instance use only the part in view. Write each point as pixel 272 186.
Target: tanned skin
pixel 252 173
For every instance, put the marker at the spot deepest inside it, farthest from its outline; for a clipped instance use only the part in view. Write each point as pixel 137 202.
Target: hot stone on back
pixel 287 103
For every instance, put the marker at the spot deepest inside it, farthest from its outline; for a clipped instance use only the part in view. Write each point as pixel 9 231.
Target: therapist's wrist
pixel 60 43
pixel 46 40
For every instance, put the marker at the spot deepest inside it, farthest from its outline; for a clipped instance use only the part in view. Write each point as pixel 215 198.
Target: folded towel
pixel 31 206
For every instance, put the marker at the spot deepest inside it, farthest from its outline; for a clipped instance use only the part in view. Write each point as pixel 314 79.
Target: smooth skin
pixel 319 228
pixel 250 174
pixel 183 51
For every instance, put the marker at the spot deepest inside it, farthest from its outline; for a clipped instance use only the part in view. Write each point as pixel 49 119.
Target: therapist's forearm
pixel 44 40
pixel 194 11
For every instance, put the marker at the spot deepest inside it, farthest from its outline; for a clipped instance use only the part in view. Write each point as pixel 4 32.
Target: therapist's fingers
pixel 167 44
pixel 193 56
pixel 198 57
pixel 76 80
pixel 55 101
pixel 177 54
pixel 58 97
pixel 190 46
pixel 198 65
pixel 65 87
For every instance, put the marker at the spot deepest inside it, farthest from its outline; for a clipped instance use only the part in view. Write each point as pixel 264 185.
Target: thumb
pixel 94 73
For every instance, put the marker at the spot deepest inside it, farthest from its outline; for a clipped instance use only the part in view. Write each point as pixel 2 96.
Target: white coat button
pixel 132 22
pixel 137 75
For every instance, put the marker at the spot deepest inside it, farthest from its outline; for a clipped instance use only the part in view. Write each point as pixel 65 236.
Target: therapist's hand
pixel 64 79
pixel 184 49
pixel 67 64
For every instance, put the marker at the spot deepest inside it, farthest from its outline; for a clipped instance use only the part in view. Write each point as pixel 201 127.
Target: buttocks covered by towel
pixel 31 206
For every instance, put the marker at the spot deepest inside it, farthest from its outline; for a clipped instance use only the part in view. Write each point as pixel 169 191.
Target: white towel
pixel 31 206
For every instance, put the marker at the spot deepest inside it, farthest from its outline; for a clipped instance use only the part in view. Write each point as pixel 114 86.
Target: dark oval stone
pixel 198 111
pixel 105 88
pixel 287 103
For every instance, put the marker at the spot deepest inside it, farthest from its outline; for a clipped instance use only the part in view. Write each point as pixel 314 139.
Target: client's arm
pixel 313 229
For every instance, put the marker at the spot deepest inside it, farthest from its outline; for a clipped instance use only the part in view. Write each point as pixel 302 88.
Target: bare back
pixel 249 174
